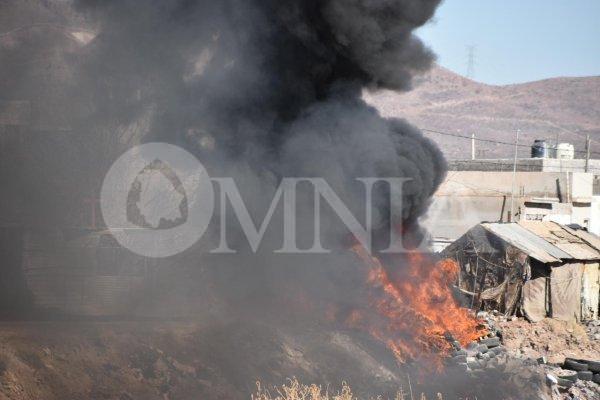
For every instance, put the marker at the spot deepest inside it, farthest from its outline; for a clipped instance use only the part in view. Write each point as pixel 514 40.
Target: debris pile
pixel 566 352
pixel 575 379
pixel 488 353
pixel 520 351
pixel 593 329
pixel 488 361
pixel 555 340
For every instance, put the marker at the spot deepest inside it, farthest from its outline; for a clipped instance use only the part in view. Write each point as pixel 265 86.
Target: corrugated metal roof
pixel 560 237
pixel 525 240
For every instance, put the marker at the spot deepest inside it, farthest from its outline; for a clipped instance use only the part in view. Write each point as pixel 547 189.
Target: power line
pixel 471 61
pixel 491 140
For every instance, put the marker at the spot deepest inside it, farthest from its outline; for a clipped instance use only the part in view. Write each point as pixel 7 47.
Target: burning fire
pixel 421 315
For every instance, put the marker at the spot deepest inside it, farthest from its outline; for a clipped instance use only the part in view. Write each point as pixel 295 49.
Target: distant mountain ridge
pixel 445 101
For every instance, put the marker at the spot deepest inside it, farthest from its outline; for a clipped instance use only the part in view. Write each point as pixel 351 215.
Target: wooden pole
pixel 514 183
pixel 587 153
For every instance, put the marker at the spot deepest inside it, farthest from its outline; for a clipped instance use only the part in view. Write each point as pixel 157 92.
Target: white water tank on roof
pixel 565 151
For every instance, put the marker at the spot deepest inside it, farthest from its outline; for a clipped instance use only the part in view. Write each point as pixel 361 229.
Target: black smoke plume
pixel 255 77
pixel 256 89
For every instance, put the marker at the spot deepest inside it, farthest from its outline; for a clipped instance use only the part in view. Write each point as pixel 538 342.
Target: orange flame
pixel 421 315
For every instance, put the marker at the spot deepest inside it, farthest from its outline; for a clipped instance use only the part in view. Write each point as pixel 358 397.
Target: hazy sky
pixel 517 40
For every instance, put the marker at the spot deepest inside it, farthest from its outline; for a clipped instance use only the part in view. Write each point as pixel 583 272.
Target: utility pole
pixel 471 61
pixel 588 146
pixel 472 146
pixel 514 182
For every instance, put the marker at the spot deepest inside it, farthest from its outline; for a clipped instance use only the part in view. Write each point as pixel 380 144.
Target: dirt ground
pixel 554 340
pixel 549 338
pixel 90 361
pixel 184 361
pixel 179 360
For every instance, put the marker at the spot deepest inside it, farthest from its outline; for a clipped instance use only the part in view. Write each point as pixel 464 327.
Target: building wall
pixel 467 198
pixel 526 165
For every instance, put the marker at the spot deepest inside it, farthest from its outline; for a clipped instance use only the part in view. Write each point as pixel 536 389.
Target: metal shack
pixel 537 269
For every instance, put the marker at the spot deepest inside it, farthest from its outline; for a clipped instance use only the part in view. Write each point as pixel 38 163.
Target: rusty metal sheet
pixel 558 236
pixel 589 238
pixel 525 240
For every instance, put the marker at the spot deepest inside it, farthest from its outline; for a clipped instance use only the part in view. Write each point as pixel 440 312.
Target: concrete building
pixel 478 191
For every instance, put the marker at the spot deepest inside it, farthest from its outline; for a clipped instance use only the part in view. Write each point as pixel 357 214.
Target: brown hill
pixel 567 108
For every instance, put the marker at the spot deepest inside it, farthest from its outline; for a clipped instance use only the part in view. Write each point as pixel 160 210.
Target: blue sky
pixel 517 41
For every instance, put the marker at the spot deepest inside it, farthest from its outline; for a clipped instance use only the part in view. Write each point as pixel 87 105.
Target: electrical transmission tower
pixel 471 53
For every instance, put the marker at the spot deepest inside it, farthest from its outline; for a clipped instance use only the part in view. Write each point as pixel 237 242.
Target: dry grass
pixel 294 390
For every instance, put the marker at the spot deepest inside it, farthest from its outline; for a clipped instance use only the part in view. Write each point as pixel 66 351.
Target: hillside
pixel 448 102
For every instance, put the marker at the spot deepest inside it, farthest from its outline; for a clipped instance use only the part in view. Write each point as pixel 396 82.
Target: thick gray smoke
pixel 256 89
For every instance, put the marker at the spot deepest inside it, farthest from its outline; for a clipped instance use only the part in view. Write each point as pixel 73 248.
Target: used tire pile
pixel 488 366
pixel 487 353
pixel 584 370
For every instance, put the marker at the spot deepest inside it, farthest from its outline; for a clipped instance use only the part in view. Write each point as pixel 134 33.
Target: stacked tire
pixel 585 370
